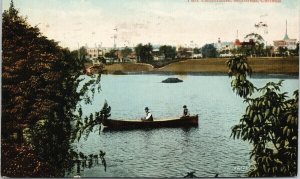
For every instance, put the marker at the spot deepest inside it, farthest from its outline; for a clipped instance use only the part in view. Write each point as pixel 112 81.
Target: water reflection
pixel 172 152
pixel 186 133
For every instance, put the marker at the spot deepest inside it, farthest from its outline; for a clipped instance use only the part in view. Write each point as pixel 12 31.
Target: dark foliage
pixel 111 54
pixel 168 51
pixel 254 46
pixel 209 51
pixel 184 53
pixel 90 122
pixel 270 123
pixel 126 51
pixel 39 95
pixel 283 51
pixel 144 53
pixel 197 50
pixel 297 50
pixel 239 69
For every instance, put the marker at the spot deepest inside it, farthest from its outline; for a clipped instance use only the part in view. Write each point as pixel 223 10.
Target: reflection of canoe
pixel 139 124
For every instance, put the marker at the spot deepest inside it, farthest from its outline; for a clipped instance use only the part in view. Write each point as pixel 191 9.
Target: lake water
pixel 172 152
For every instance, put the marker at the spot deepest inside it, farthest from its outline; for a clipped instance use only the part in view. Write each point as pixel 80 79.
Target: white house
pixel 290 44
pixel 94 53
pixel 223 46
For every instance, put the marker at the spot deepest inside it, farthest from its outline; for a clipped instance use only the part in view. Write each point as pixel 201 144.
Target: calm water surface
pixel 207 150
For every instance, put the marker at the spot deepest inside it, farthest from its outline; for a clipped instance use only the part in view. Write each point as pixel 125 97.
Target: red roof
pixel 237 42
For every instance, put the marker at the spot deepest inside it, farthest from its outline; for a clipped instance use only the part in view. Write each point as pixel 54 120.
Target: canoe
pixel 188 121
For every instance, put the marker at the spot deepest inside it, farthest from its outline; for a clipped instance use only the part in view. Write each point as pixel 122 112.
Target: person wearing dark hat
pixel 185 111
pixel 149 116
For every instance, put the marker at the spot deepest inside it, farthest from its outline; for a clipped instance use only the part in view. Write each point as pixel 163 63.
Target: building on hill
pixel 120 58
pixel 184 52
pixel 249 44
pixel 157 56
pixel 132 57
pixel 224 46
pixel 286 42
pixel 95 53
pixel 237 43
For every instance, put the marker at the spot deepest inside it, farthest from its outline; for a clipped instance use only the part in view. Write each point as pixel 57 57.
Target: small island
pixel 172 80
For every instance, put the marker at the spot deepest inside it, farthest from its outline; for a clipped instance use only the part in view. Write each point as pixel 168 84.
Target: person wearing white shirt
pixel 149 116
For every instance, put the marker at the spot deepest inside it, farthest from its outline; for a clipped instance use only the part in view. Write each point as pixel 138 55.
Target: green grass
pixel 213 65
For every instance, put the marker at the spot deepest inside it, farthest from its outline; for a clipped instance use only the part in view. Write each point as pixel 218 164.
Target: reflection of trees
pixel 39 85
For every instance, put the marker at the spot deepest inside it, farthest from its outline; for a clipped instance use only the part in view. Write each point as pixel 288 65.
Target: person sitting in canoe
pixel 149 116
pixel 185 111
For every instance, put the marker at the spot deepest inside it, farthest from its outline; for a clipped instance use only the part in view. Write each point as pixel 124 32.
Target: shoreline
pixel 254 75
pixel 215 66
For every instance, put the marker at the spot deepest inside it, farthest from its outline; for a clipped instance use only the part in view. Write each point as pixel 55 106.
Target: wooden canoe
pixel 187 121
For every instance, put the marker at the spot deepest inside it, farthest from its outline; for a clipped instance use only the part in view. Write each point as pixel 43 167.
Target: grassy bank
pixel 214 65
pixel 128 67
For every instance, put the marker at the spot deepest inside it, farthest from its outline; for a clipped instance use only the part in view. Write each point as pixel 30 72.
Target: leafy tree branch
pixel 270 123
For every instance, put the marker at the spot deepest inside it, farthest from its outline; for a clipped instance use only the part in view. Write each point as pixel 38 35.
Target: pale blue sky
pixel 174 22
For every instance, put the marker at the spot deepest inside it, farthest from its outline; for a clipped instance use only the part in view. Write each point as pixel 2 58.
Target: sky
pixel 193 23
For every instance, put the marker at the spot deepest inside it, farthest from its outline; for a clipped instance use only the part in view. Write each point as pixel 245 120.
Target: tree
pixel 255 45
pixel 80 56
pixel 126 51
pixel 282 51
pixel 209 51
pixel 270 123
pixel 184 52
pixel 197 50
pixel 39 94
pixel 111 54
pixel 297 50
pixel 144 53
pixel 255 37
pixel 101 59
pixel 168 51
pixel 269 51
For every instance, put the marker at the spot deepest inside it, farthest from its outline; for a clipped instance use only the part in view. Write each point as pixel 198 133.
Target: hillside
pixel 212 65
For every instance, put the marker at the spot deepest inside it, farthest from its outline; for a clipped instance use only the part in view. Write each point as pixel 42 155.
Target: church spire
pixel 286 26
pixel 286 37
